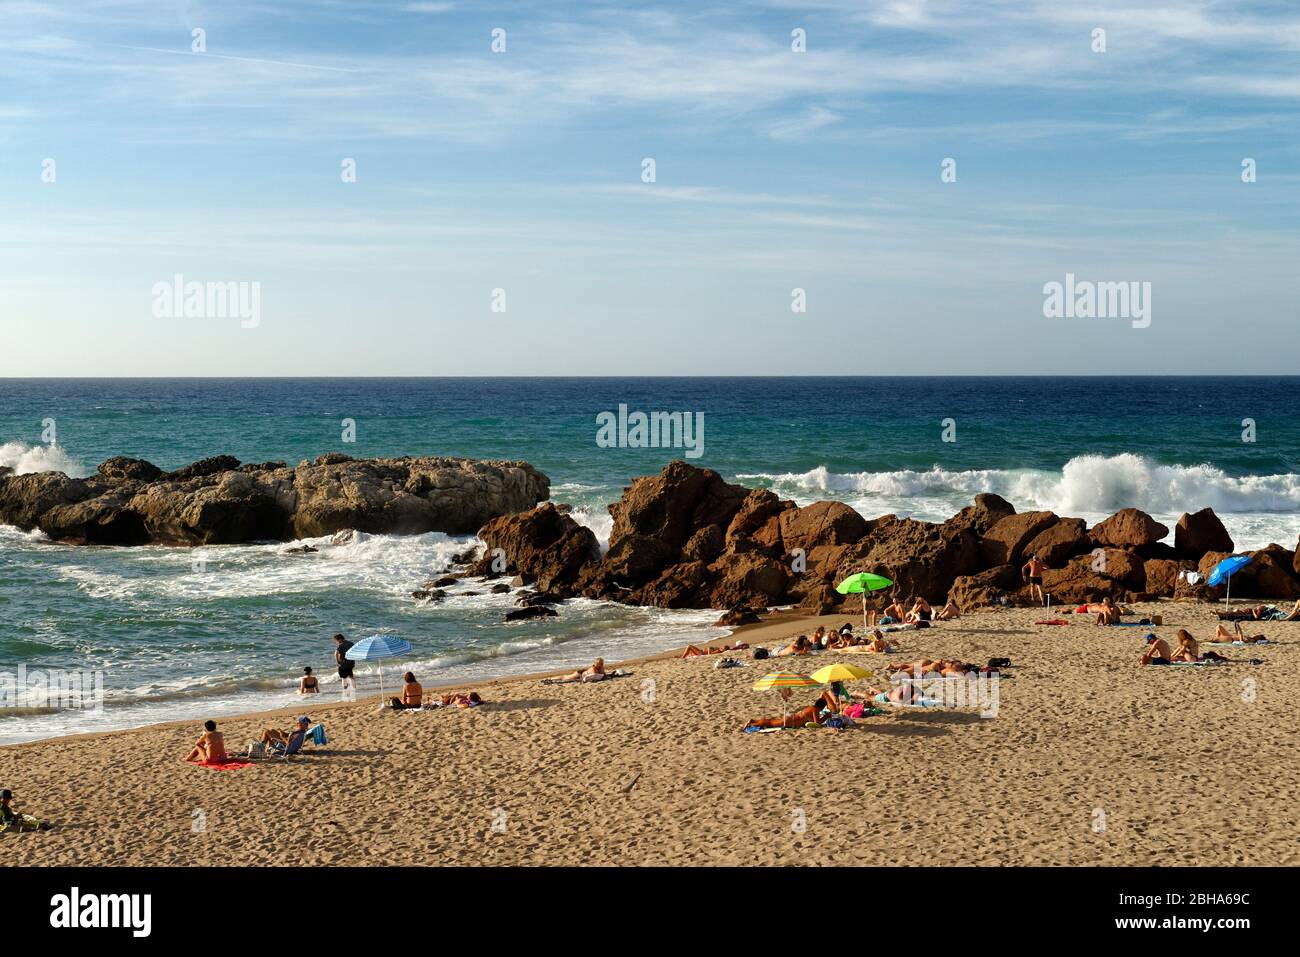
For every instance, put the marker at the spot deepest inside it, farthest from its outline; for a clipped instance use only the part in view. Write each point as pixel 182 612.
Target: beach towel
pixel 883 698
pixel 229 764
pixel 1051 621
pixel 1236 644
pixel 316 735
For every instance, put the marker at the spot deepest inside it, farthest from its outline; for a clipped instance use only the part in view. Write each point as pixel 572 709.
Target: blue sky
pixel 522 171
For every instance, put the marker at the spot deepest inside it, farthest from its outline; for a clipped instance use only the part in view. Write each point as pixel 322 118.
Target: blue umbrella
pixel 1224 571
pixel 376 648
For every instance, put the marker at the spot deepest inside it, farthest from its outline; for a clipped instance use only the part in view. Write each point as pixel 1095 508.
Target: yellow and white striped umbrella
pixel 784 679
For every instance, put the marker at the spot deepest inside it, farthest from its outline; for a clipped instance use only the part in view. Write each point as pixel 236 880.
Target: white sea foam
pixel 25 459
pixel 1256 509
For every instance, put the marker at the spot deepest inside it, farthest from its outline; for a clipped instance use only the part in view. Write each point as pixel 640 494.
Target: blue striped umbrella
pixel 377 648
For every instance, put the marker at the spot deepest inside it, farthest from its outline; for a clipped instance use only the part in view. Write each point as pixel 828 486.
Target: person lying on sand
pixel 12 819
pixel 1190 650
pixel 876 645
pixel 947 668
pixel 1108 613
pixel 948 612
pixel 1157 652
pixel 273 737
pixel 1237 634
pixel 816 713
pixel 902 693
pixel 308 683
pixel 210 748
pixel 695 651
pixel 595 673
pixel 412 694
pixel 800 646
pixel 471 700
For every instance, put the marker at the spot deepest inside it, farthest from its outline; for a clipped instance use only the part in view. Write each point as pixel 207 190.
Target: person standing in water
pixel 346 664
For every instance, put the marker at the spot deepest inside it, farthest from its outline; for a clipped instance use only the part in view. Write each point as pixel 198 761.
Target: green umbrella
pixel 863 582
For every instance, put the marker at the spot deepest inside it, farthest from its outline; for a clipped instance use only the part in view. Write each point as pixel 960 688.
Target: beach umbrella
pixel 784 679
pixel 1224 571
pixel 377 648
pixel 863 582
pixel 839 672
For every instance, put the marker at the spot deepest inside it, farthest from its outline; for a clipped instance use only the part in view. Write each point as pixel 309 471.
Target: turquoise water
pixel 176 639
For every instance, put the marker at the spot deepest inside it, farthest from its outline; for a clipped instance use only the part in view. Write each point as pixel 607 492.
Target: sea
pixel 167 636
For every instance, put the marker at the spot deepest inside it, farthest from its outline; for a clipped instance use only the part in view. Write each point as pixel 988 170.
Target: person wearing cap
pixel 272 736
pixel 11 819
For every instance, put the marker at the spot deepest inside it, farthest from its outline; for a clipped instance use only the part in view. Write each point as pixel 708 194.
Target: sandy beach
pixel 1090 760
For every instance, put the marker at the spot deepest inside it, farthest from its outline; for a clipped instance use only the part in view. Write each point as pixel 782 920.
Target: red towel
pixel 229 764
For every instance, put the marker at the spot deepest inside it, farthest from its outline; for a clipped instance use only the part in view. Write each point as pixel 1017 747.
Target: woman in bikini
pixel 595 673
pixel 1237 634
pixel 308 683
pixel 1190 650
pixel 412 694
pixel 921 610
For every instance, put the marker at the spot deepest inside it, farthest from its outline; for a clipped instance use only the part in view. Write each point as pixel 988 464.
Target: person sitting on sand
pixel 1157 652
pixel 308 683
pixel 273 737
pixel 471 700
pixel 1190 650
pixel 210 748
pixel 948 612
pixel 1032 573
pixel 921 610
pixel 412 694
pixel 826 705
pixel 1108 613
pixel 895 609
pixel 11 819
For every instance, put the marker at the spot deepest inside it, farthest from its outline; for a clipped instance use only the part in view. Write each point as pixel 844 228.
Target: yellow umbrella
pixel 840 672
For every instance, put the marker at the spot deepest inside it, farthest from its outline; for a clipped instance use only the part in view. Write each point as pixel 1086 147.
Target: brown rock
pixel 1054 544
pixel 1004 542
pixel 705 545
pixel 1161 576
pixel 543 544
pixel 678 586
pixel 823 599
pixel 735 617
pixel 758 520
pixel 753 580
pixel 1077 582
pixel 1271 574
pixel 534 611
pixel 670 506
pixel 986 588
pixel 920 557
pixel 988 510
pixel 1129 527
pixel 1199 532
pixel 821 523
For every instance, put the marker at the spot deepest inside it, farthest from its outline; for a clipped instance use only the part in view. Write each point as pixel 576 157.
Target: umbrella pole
pixel 381 686
pixel 1227 595
pixel 864 611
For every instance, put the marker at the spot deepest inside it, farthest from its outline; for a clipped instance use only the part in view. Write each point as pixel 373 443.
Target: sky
pixel 500 223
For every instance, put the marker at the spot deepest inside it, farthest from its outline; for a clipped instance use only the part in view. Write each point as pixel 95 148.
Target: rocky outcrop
pixel 1129 527
pixel 1199 532
pixel 219 501
pixel 988 510
pixel 543 545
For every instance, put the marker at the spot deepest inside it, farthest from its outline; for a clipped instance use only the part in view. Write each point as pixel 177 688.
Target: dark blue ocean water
pixel 172 641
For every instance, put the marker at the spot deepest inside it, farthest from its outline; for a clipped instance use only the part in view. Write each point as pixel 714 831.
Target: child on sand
pixel 11 819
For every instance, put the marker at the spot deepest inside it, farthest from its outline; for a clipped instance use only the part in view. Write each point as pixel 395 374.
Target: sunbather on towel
pixel 595 673
pixel 876 646
pixel 902 693
pixel 272 737
pixel 210 748
pixel 932 666
pixel 1157 652
pixel 471 700
pixel 1236 634
pixel 816 713
pixel 800 646
pixel 1189 649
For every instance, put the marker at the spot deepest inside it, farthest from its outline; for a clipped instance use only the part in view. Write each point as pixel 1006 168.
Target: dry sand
pixel 1090 760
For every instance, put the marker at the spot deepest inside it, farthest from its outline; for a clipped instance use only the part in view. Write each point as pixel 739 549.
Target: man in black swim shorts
pixel 346 664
